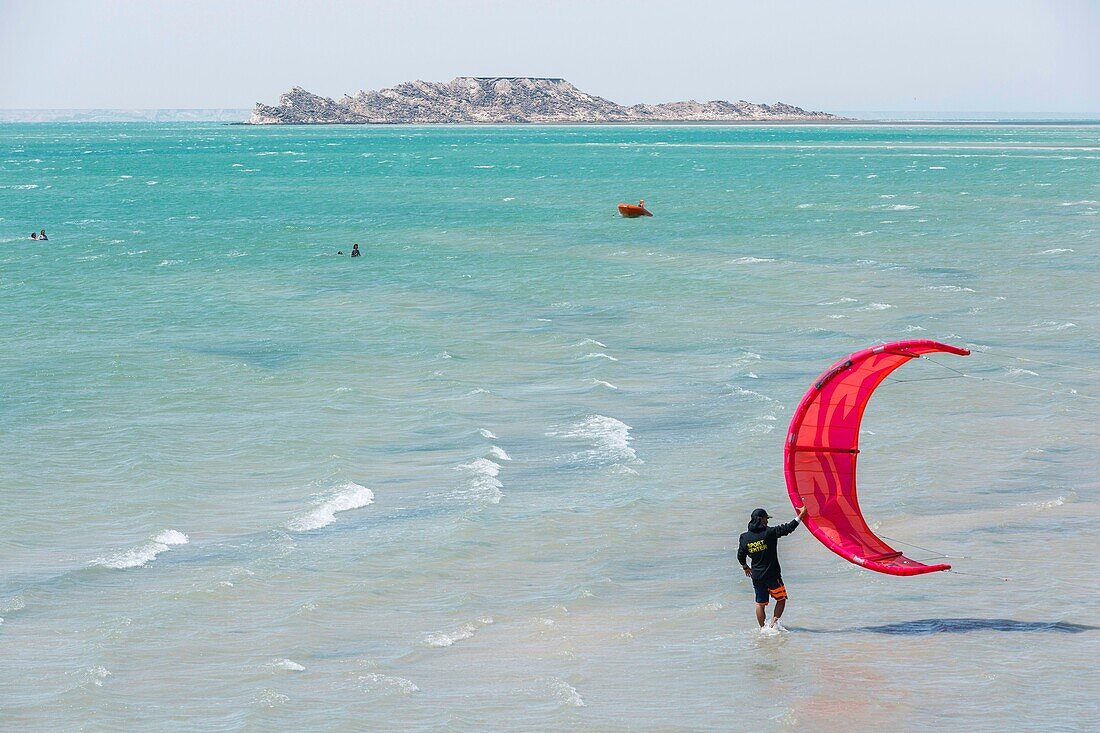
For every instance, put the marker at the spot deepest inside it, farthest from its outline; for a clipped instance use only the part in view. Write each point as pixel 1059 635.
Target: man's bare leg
pixel 760 613
pixel 779 606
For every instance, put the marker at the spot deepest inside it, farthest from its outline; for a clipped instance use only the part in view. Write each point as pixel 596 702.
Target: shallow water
pixel 491 474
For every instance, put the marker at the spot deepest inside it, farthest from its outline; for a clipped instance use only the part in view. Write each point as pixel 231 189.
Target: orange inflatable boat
pixel 633 211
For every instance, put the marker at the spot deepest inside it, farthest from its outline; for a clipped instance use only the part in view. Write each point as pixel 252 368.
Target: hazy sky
pixel 921 56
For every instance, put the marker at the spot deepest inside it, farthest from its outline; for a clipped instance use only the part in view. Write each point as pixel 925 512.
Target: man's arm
pixel 785 529
pixel 742 555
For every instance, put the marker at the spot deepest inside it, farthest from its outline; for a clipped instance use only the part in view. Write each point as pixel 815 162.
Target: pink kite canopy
pixel 820 454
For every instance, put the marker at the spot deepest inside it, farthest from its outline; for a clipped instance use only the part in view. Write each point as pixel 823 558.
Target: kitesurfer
pixel 759 544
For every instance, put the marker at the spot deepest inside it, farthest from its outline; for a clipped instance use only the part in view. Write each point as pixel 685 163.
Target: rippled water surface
pixel 491 474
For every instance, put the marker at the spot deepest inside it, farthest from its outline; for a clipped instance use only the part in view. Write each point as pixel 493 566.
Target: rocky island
pixel 470 99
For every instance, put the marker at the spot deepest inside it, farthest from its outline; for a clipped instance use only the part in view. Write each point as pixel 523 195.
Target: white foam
pixel 610 439
pixel 288 665
pixel 388 684
pixel 485 166
pixel 484 484
pixel 601 383
pixel 143 554
pixel 14 604
pixel 1017 372
pixel 937 168
pixel 903 207
pixel 876 307
pixel 1061 500
pixel 565 693
pixel 270 698
pixel 750 260
pixel 1058 251
pixel 485 433
pixel 804 206
pixel 440 640
pixel 599 355
pixel 591 342
pixel 499 453
pixel 509 198
pixel 95 676
pixel 754 396
pixel 1054 325
pixel 1085 202
pixel 349 496
pixel 949 289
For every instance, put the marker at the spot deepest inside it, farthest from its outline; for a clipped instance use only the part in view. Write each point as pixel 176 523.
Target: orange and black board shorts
pixel 773 588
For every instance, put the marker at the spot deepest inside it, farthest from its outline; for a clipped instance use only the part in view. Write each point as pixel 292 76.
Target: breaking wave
pixel 349 496
pixel 440 639
pixel 483 484
pixel 143 554
pixel 610 439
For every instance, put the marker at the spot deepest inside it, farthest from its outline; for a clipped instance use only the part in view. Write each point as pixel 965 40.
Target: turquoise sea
pixel 490 475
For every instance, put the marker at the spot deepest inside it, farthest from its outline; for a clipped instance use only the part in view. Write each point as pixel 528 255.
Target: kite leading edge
pixel 820 453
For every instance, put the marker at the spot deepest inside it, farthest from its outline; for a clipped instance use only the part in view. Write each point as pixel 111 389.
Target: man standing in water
pixel 759 543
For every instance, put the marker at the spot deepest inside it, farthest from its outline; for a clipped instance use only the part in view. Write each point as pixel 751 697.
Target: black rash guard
pixel 759 543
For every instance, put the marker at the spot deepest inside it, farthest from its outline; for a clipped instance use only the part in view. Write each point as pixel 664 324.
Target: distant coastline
pixel 235 116
pixel 507 100
pixel 183 116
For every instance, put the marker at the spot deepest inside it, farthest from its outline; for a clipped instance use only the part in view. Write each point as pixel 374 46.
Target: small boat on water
pixel 633 211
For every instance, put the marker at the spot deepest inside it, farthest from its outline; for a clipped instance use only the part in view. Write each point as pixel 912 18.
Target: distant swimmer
pixel 355 250
pixel 759 544
pixel 42 236
pixel 34 236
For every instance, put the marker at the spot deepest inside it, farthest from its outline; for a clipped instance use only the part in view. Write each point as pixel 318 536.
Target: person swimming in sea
pixel 34 236
pixel 42 236
pixel 355 250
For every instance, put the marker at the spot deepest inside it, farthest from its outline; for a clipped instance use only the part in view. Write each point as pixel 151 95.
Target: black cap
pixel 760 514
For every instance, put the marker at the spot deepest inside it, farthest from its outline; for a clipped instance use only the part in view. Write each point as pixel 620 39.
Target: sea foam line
pixel 483 484
pixel 610 439
pixel 439 639
pixel 349 496
pixel 143 554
